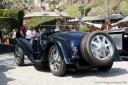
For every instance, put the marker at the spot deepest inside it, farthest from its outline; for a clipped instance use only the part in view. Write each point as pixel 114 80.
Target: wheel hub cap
pixel 18 52
pixel 55 60
pixel 101 47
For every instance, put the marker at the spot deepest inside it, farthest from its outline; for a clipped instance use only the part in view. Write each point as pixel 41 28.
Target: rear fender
pixel 64 49
pixel 26 46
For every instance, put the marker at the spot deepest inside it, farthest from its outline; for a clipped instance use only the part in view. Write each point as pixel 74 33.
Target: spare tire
pixel 98 48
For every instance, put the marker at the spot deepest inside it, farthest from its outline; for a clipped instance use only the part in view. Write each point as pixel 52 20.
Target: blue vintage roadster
pixel 64 49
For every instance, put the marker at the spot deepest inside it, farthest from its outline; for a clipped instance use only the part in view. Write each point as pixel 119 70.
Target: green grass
pixel 38 20
pixel 73 10
pixel 84 29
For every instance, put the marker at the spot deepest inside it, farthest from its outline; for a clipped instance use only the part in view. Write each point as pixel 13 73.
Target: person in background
pixel 29 34
pixel 34 38
pixel 1 35
pixel 72 28
pixel 34 33
pixel 64 26
pixel 57 26
pixel 13 35
pixel 106 25
pixel 23 30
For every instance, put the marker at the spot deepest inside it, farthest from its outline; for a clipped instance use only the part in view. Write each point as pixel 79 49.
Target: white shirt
pixel 14 35
pixel 29 34
pixel 57 27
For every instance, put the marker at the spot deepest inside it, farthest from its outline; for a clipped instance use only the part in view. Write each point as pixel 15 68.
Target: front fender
pixel 25 45
pixel 64 49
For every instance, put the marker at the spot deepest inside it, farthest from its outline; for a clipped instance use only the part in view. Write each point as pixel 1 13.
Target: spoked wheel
pixel 98 49
pixel 19 55
pixel 56 63
pixel 101 47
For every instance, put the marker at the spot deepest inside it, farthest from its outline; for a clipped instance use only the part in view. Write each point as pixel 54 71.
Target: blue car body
pixel 68 49
pixel 68 44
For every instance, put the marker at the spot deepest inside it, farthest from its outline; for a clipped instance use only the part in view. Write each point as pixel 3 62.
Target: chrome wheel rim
pixel 55 60
pixel 101 47
pixel 18 52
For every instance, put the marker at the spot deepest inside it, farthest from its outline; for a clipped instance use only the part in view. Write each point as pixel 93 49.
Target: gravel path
pixel 10 74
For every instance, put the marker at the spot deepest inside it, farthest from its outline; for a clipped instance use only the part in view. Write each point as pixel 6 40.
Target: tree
pixel 20 17
pixel 53 3
pixel 1 1
pixel 87 10
pixel 1 4
pixel 81 9
pixel 25 5
pixel 61 8
pixel 10 19
pixel 84 11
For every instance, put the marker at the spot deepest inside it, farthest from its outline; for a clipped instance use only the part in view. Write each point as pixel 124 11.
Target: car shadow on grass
pixel 3 78
pixel 93 72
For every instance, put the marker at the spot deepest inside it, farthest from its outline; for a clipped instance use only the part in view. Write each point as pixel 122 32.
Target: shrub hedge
pixel 10 19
